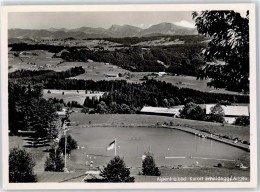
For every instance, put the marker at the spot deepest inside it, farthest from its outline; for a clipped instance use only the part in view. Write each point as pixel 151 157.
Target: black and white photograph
pixel 129 96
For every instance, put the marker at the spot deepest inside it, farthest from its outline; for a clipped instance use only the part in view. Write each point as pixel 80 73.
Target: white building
pixel 160 74
pixel 173 111
pixel 112 75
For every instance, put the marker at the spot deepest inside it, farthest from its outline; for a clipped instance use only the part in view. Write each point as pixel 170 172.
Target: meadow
pixel 32 60
pixel 70 95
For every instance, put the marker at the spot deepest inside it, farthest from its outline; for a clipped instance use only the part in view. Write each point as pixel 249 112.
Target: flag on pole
pixel 111 145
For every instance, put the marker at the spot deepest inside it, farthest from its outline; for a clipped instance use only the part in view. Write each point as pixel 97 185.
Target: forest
pixel 120 92
pixel 34 76
pixel 27 47
pixel 178 59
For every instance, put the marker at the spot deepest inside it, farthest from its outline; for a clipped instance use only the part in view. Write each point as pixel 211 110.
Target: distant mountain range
pixel 115 31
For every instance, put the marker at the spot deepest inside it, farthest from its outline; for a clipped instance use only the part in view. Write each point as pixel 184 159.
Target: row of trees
pixel 26 47
pixel 151 92
pixel 155 93
pixel 193 111
pixel 34 77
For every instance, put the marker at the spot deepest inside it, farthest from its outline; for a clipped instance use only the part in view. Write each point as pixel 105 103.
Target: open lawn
pixel 70 95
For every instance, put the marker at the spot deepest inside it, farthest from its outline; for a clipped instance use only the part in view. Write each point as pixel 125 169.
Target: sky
pixel 72 20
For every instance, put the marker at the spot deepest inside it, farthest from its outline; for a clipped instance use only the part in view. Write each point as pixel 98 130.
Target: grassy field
pixel 94 70
pixel 32 60
pixel 70 95
pixel 242 133
pixel 38 154
pixel 97 70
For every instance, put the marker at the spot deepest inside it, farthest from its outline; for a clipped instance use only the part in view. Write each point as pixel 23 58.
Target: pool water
pixel 170 147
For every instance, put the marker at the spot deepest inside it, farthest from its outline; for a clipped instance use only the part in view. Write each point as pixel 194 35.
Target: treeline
pixel 151 93
pixel 134 95
pixel 34 77
pixel 130 98
pixel 26 47
pixel 179 59
pixel 29 111
pixel 138 94
pixel 127 41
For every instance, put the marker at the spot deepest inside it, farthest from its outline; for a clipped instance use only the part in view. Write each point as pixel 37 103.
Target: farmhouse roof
pixel 111 75
pixel 62 113
pixel 164 110
pixel 231 110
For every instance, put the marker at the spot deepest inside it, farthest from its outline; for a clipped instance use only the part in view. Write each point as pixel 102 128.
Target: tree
pixel 21 166
pixel 154 102
pixel 188 100
pixel 29 111
pixel 165 103
pixel 54 162
pixel 71 144
pixel 149 166
pixel 242 121
pixel 101 108
pixel 125 109
pixel 217 114
pixel 192 111
pixel 229 33
pixel 85 110
pixel 116 171
pixel 171 102
pixel 40 115
pixel 177 101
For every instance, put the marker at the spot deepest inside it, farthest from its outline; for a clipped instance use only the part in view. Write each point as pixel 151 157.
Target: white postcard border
pixel 145 7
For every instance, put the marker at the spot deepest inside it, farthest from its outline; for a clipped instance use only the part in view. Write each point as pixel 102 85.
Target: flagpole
pixel 115 146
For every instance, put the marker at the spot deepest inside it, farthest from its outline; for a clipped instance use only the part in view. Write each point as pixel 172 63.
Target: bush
pixel 54 162
pixel 71 144
pixel 21 166
pixel 85 110
pixel 242 121
pixel 192 111
pixel 116 171
pixel 149 166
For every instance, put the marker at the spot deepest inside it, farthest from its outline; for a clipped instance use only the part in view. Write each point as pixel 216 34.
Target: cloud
pixel 185 23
